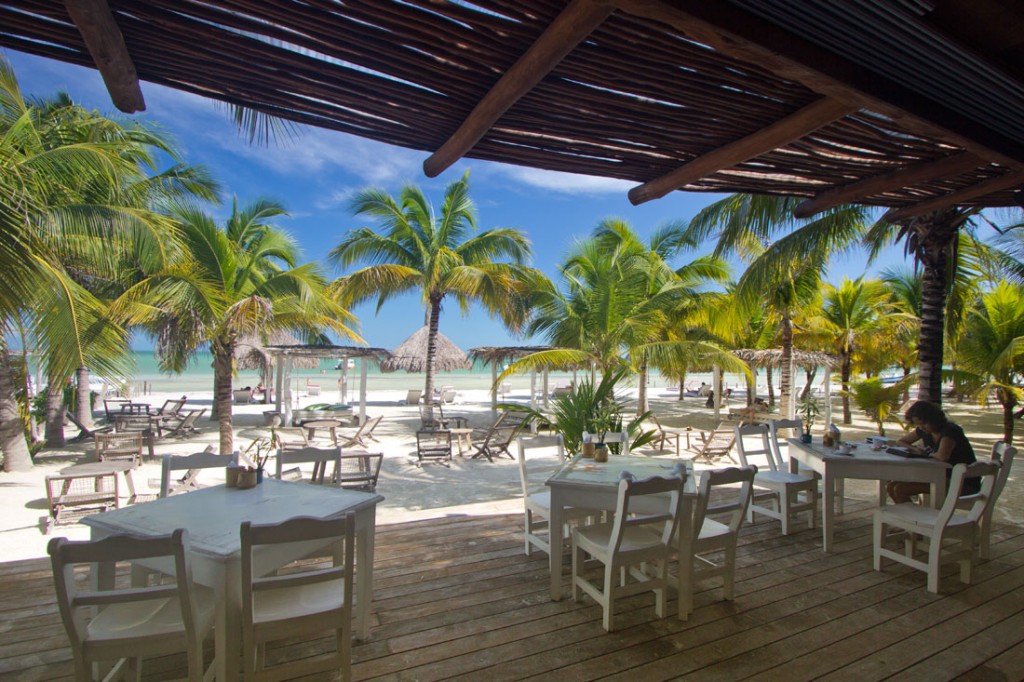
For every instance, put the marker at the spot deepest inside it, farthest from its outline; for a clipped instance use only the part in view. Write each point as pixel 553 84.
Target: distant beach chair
pixel 311 388
pixel 412 397
pixel 181 425
pixel 242 395
pixel 363 433
pixel 447 394
pixel 561 391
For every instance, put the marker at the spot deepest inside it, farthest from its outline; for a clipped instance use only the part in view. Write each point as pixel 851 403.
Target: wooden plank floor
pixel 455 598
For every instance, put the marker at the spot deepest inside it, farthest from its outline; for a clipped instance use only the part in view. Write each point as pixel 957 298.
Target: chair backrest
pixel 752 444
pixel 242 395
pixel 434 443
pixel 1003 453
pixel 75 600
pixel 535 443
pixel 736 508
pixel 413 395
pixel 121 445
pixel 612 437
pixel 364 430
pixel 171 407
pixel 448 395
pixel 360 470
pixel 977 503
pixel 319 457
pixel 112 407
pixel 188 419
pixel 645 504
pixel 774 427
pixel 191 464
pixel 291 437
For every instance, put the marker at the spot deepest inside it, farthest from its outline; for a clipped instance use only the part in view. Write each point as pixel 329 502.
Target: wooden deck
pixel 456 598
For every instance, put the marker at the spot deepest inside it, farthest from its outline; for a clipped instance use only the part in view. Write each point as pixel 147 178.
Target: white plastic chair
pixel 128 624
pixel 715 536
pixel 191 465
pixel 318 457
pixel 537 498
pixel 938 526
pixel 306 598
pixel 781 489
pixel 629 545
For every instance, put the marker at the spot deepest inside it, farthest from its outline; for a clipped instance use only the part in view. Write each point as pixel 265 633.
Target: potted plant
pixel 809 411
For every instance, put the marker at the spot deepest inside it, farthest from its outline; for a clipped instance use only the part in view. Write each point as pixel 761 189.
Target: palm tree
pixel 992 349
pixel 852 311
pixel 784 271
pixel 238 280
pixel 438 255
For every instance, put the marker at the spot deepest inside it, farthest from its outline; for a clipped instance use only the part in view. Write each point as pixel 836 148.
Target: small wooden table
pixel 463 436
pixel 213 517
pixel 587 484
pixel 865 464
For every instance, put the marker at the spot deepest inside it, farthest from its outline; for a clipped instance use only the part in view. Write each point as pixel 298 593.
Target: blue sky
pixel 316 174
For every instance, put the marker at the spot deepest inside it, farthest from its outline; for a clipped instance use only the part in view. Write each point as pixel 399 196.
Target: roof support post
pixel 105 42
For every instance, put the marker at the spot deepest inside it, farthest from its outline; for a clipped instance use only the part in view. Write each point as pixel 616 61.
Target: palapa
pixel 411 355
pixel 251 352
pixel 772 357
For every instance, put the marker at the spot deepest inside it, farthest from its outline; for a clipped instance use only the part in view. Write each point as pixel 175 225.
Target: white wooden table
pixel 213 517
pixel 588 484
pixel 865 464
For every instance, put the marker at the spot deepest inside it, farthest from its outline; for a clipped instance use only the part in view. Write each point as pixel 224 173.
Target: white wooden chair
pixel 318 457
pixel 781 490
pixel 192 465
pixel 629 545
pixel 537 497
pixel 775 426
pixel 127 624
pixel 716 536
pixel 938 526
pixel 611 438
pixel 1003 455
pixel 306 598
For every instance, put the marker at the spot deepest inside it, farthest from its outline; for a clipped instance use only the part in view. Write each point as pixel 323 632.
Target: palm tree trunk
pixel 223 352
pixel 83 410
pixel 641 395
pixel 1008 419
pixel 786 387
pixel 771 389
pixel 809 374
pixel 54 433
pixel 936 234
pixel 428 386
pixel 847 369
pixel 12 432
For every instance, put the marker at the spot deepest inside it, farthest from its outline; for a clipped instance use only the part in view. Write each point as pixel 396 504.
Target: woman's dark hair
pixel 930 413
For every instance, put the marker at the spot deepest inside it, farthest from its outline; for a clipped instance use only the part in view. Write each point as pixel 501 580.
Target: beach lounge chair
pixel 497 442
pixel 717 444
pixel 242 396
pixel 182 424
pixel 312 389
pixel 669 434
pixel 412 397
pixel 434 445
pixel 363 434
pixel 171 408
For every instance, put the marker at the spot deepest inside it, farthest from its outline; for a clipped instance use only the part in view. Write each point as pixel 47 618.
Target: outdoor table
pixel 100 468
pixel 213 517
pixel 463 436
pixel 587 484
pixel 865 464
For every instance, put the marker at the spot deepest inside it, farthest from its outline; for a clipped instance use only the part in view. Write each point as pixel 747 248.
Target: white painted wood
pixel 783 489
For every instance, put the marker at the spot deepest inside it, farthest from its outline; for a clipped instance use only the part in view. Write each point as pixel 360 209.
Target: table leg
pixel 939 492
pixel 555 545
pixel 130 480
pixel 827 510
pixel 227 632
pixel 366 520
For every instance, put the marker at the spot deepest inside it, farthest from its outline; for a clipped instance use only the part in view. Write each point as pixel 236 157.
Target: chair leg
pixel 877 540
pixel 609 597
pixel 577 568
pixel 969 550
pixel 784 512
pixel 659 592
pixel 934 553
pixel 344 645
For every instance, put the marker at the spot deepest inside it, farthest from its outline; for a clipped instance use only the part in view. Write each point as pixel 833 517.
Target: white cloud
pixel 565 183
pixel 335 198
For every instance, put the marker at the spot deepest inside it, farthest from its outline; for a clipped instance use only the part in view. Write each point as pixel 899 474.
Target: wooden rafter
pixel 904 177
pixel 106 45
pixel 1008 181
pixel 738 34
pixel 778 134
pixel 576 22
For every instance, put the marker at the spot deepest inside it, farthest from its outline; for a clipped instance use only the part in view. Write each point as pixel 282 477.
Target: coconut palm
pixel 439 255
pixel 852 312
pixel 784 271
pixel 242 279
pixel 992 350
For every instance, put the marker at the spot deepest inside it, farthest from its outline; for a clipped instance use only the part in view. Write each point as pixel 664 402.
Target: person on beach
pixel 941 439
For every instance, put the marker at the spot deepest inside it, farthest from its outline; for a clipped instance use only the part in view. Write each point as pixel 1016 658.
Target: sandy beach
pixel 470 486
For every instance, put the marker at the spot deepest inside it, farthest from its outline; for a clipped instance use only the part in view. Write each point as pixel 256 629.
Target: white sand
pixel 470 486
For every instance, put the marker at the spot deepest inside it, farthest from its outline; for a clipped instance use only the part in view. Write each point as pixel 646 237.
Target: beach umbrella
pixel 411 355
pixel 772 357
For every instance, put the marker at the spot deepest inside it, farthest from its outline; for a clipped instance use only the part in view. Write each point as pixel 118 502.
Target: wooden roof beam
pixel 778 134
pixel 732 31
pixel 1008 181
pixel 898 179
pixel 103 38
pixel 577 21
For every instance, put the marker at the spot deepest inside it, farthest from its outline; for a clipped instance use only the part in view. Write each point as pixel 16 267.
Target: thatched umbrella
pixel 251 353
pixel 411 355
pixel 496 355
pixel 772 357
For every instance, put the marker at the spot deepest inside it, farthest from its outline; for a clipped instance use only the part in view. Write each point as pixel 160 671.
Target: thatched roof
pixel 301 353
pixel 500 354
pixel 411 355
pixel 251 353
pixel 772 357
pixel 904 103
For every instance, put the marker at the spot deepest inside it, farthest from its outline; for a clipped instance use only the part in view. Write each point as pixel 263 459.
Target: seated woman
pixel 940 438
